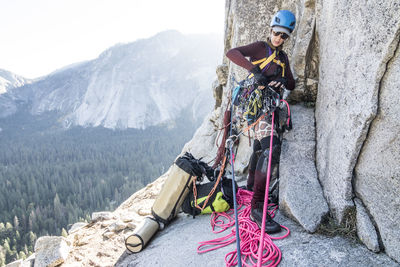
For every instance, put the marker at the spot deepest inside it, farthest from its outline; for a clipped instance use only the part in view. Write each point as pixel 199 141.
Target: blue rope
pixel 234 195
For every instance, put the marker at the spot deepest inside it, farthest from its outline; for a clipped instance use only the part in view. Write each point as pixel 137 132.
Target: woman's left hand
pixel 275 84
pixel 278 83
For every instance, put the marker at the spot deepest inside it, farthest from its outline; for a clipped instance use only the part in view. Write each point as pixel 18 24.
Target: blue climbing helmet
pixel 285 19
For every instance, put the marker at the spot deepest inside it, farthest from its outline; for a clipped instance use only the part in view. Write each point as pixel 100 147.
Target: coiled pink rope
pixel 249 235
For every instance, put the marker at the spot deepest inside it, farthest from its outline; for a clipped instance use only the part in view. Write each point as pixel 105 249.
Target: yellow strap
pixel 265 61
pixel 259 61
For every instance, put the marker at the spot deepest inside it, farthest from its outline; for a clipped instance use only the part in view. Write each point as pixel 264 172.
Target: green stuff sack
pixel 219 204
pixel 220 201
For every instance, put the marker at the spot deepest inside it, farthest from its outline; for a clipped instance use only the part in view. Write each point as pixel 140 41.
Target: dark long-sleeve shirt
pixel 259 50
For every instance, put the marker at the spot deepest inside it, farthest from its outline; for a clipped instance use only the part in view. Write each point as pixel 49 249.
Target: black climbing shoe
pixel 271 227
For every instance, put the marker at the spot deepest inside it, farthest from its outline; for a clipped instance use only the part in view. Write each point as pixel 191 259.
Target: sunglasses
pixel 283 35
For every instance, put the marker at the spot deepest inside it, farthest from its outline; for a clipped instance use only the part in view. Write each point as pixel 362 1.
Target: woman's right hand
pixel 259 78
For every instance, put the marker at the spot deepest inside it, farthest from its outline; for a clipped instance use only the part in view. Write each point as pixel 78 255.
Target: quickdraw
pixel 254 104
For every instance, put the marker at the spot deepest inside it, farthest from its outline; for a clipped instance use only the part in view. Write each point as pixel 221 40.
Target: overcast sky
pixel 40 36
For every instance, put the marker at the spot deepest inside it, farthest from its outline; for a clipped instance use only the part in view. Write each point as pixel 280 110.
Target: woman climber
pixel 277 75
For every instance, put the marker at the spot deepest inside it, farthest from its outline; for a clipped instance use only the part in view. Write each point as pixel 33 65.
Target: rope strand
pixel 249 234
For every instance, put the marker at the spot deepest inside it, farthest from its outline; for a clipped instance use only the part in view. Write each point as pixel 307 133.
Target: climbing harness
pixel 270 104
pixel 253 245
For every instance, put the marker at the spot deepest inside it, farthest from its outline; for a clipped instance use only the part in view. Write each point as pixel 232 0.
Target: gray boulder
pixel 300 194
pixel 365 229
pixel 51 251
pixel 303 125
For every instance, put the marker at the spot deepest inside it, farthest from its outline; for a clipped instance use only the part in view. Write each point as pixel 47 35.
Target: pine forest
pixel 54 178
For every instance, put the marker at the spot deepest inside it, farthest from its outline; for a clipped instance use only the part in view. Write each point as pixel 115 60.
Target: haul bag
pixel 170 199
pixel 176 187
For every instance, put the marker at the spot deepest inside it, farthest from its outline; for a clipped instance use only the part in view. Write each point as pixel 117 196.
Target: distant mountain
pixel 134 85
pixel 9 80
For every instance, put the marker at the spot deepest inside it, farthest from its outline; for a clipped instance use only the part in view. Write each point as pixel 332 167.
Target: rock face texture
pixel 356 43
pixel 377 173
pixel 101 242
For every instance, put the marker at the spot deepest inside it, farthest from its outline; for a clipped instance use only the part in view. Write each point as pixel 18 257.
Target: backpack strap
pixel 265 61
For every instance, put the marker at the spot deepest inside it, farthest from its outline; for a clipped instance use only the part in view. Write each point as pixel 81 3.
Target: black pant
pixel 261 166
